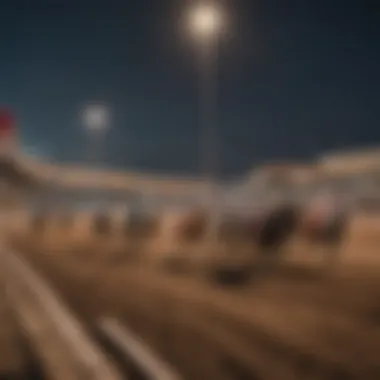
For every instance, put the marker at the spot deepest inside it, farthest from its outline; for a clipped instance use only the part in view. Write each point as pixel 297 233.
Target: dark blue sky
pixel 296 78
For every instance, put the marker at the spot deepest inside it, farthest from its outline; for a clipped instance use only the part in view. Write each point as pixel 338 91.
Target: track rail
pixel 65 350
pixel 133 351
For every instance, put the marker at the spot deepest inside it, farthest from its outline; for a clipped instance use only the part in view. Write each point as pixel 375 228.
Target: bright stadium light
pixel 96 117
pixel 96 121
pixel 206 21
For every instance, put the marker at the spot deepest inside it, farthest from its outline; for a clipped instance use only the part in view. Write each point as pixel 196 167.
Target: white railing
pixel 64 349
pixel 148 364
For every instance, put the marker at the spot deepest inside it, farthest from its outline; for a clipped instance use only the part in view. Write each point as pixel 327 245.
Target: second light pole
pixel 96 122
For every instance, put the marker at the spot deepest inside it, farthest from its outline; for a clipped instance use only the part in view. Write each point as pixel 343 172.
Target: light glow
pixel 96 117
pixel 206 21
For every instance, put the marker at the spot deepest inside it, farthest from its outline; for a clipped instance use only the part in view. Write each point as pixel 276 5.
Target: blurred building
pixel 356 173
pixel 356 162
pixel 275 181
pixel 353 174
pixel 287 173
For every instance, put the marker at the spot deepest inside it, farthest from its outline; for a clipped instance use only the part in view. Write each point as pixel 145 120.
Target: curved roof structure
pixel 286 173
pixel 351 162
pixel 83 178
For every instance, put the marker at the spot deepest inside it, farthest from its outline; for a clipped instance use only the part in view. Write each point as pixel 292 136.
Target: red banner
pixel 7 123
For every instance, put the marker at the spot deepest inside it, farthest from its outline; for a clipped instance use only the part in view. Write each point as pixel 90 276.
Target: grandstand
pixel 354 162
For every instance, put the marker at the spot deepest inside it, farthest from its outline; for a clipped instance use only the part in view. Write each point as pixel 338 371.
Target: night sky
pixel 296 78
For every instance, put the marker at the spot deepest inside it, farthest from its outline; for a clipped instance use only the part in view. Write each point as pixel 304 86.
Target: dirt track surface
pixel 12 353
pixel 294 323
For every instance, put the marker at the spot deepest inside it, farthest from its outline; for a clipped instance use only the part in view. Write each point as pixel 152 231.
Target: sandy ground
pixel 267 327
pixel 298 321
pixel 12 346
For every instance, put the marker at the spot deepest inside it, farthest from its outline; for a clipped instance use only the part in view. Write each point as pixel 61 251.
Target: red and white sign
pixel 7 131
pixel 7 122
